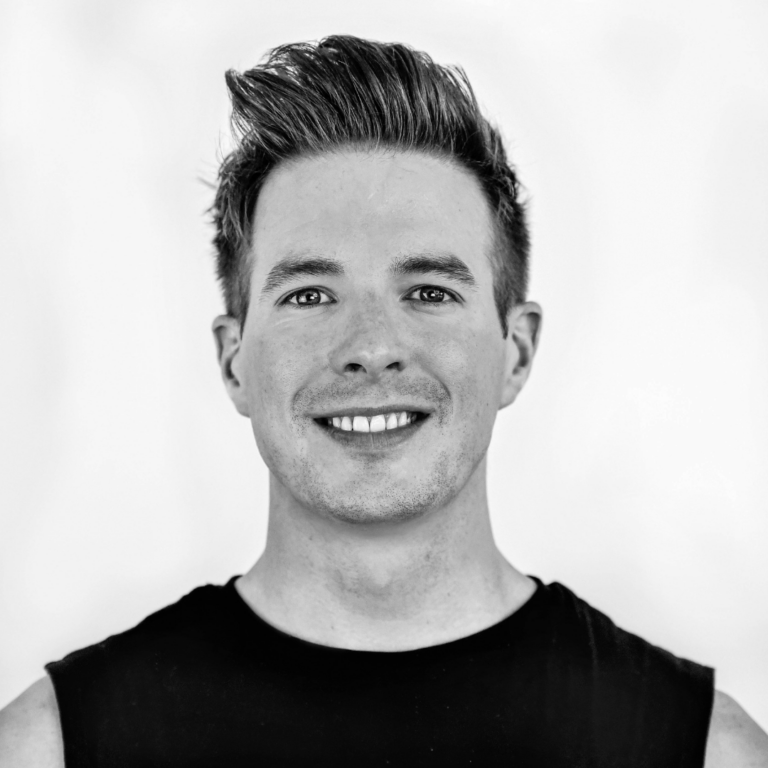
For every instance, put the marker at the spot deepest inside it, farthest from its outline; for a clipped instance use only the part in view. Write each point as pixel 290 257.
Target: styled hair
pixel 308 98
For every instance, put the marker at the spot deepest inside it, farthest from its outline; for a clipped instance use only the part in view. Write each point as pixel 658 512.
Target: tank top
pixel 207 682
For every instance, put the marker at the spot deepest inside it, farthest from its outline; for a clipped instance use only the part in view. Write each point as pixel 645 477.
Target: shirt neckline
pixel 488 636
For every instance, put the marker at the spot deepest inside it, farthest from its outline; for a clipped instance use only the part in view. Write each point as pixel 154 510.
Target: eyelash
pixel 454 297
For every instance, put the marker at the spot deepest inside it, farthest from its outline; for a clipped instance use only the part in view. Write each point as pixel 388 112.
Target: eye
pixel 312 297
pixel 433 294
pixel 306 297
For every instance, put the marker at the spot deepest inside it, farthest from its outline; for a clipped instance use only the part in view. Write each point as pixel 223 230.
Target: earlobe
pixel 226 334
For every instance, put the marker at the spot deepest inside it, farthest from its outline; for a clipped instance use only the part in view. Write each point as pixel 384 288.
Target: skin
pixel 377 550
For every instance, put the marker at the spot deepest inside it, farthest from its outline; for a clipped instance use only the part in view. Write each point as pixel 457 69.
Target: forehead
pixel 368 204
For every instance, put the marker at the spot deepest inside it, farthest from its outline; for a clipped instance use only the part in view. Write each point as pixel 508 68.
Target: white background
pixel 632 468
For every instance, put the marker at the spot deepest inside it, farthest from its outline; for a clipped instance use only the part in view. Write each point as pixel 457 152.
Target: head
pixel 309 99
pixel 369 168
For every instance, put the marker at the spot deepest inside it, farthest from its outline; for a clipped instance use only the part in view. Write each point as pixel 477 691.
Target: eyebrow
pixel 446 265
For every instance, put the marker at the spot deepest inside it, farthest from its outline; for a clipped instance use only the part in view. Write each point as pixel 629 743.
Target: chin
pixel 370 504
pixel 360 515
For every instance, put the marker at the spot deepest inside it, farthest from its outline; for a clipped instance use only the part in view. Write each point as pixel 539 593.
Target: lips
pixel 373 440
pixel 371 424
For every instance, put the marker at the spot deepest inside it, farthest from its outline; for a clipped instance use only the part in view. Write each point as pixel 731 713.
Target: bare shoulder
pixel 30 734
pixel 735 739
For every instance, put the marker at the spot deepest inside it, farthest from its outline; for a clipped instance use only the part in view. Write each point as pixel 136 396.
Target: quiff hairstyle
pixel 309 98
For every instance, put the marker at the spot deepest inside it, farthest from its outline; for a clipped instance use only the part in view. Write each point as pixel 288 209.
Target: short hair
pixel 308 98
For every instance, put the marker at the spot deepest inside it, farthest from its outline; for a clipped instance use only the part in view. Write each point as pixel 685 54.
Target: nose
pixel 369 343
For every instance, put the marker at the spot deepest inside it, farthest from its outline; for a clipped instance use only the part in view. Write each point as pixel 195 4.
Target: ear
pixel 226 333
pixel 524 329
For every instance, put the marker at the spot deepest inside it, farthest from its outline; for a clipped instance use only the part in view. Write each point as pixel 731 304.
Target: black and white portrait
pixel 384 384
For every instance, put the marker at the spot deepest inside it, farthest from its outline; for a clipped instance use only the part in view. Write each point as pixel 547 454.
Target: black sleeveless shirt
pixel 206 682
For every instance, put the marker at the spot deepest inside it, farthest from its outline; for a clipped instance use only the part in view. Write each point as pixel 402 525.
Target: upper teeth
pixel 377 423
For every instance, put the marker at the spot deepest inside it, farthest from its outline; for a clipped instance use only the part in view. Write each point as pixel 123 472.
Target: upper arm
pixel 735 739
pixel 30 733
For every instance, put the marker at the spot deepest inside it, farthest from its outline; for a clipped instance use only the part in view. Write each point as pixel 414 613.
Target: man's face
pixel 358 335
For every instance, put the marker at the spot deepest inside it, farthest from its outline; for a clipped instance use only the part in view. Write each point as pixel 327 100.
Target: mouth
pixel 377 431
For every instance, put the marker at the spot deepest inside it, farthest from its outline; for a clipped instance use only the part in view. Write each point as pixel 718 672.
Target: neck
pixel 384 586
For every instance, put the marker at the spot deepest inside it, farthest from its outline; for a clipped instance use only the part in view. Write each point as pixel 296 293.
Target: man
pixel 373 253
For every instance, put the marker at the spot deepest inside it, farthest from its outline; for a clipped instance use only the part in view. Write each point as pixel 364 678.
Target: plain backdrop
pixel 633 466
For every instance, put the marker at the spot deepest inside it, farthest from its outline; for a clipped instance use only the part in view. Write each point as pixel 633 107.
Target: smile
pixel 382 430
pixel 378 423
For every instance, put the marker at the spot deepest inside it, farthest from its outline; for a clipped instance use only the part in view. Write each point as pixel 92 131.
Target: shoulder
pixel 140 659
pixel 735 739
pixel 90 679
pixel 639 693
pixel 196 618
pixel 613 651
pixel 30 734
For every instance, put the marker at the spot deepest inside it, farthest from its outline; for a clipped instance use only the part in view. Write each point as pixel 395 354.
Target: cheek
pixel 275 370
pixel 469 362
